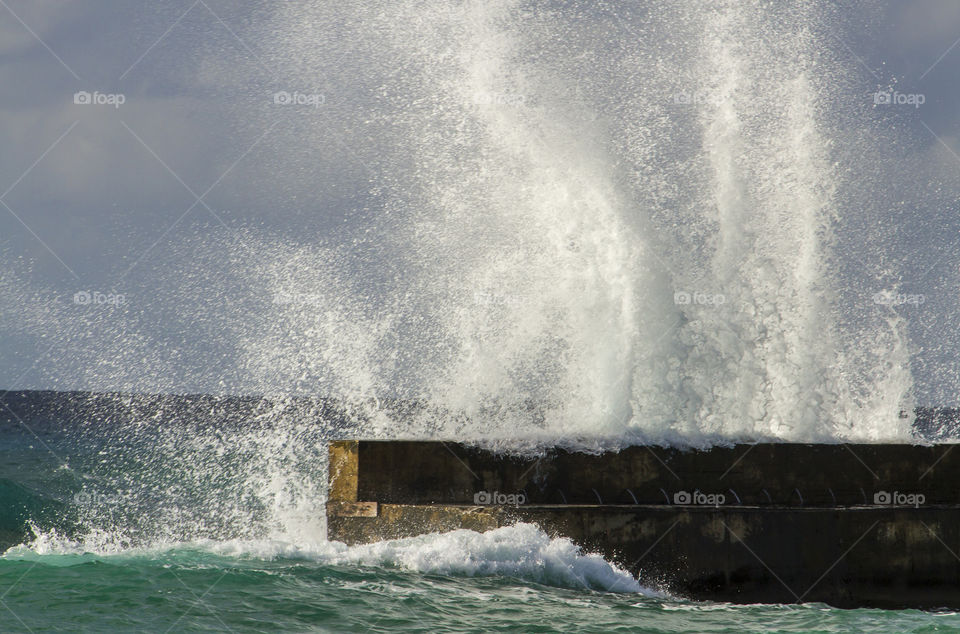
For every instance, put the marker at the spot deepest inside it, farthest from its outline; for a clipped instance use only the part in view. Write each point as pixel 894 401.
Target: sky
pixel 137 133
pixel 149 143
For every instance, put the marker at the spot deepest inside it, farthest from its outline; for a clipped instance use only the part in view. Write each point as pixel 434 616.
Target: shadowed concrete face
pixel 874 525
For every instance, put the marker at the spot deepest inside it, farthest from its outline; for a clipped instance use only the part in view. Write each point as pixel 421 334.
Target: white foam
pixel 522 551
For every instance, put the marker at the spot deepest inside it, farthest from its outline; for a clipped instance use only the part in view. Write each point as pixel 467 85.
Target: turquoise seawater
pixel 192 591
pixel 142 521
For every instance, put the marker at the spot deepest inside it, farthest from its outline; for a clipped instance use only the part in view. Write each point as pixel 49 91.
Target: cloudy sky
pixel 140 135
pixel 187 161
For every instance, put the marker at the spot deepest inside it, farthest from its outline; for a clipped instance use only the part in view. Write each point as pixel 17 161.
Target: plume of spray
pixel 593 226
pixel 633 242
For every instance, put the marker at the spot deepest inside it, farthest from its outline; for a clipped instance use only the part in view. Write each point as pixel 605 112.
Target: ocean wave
pixel 522 551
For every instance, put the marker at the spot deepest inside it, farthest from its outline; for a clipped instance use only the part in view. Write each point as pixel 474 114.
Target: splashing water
pixel 589 243
pixel 588 246
pixel 522 551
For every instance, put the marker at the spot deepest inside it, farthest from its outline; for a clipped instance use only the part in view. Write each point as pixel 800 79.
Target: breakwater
pixel 847 525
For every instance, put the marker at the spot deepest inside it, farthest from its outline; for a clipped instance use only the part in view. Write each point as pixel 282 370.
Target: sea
pixel 106 529
pixel 538 223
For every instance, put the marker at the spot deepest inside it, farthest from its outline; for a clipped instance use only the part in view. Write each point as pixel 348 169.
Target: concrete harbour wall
pixel 848 525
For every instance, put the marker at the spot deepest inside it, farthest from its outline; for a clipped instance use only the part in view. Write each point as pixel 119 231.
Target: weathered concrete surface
pixel 406 472
pixel 797 522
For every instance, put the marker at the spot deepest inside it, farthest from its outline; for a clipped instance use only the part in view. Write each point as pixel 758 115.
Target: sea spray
pixel 640 244
pixel 585 226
